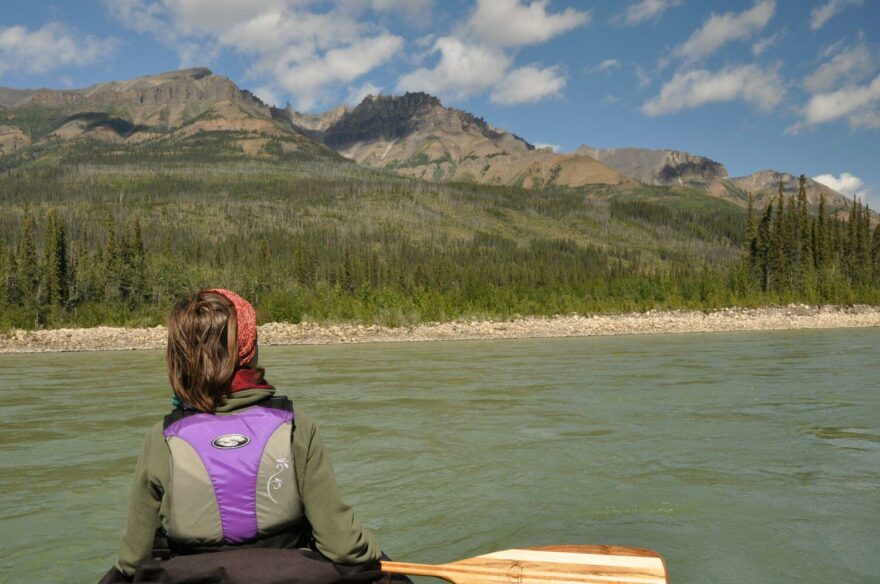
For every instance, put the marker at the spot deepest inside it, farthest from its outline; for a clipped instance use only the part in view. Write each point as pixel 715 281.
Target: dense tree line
pixel 791 251
pixel 90 245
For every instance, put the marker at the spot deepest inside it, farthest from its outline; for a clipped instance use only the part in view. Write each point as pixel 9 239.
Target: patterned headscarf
pixel 247 325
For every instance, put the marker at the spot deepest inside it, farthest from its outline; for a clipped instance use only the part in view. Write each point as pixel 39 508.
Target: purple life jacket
pixel 232 476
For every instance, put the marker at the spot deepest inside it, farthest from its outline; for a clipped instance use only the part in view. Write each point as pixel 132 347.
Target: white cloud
pixel 845 184
pixel 478 55
pixel 553 147
pixel 291 49
pixel 605 66
pixel 311 51
pixel 357 93
pixel 822 14
pixel 857 103
pixel 644 10
pixel 306 78
pixel 268 96
pixel 762 87
pixel 464 69
pixel 721 29
pixel 528 85
pixel 408 7
pixel 51 47
pixel 761 45
pixel 852 64
pixel 510 23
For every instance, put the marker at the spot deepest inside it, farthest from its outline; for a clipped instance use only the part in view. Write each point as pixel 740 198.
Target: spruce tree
pixel 27 275
pixel 138 260
pixel 9 281
pixel 112 264
pixel 778 243
pixel 792 240
pixel 765 246
pixel 806 248
pixel 875 253
pixel 55 262
pixel 866 244
pixel 822 247
pixel 751 238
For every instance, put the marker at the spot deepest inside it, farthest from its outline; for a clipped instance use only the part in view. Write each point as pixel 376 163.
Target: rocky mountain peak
pixel 658 167
pixel 196 88
pixel 764 185
pixel 392 117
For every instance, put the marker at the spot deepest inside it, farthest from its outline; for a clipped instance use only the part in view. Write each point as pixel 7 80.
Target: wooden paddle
pixel 568 564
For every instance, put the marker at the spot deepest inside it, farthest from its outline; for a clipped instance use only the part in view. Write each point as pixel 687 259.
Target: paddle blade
pixel 549 565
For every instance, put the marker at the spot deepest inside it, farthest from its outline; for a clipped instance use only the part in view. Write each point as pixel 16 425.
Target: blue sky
pixel 792 85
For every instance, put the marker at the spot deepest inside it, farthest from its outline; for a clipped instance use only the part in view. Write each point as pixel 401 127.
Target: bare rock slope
pixel 167 108
pixel 658 167
pixel 415 135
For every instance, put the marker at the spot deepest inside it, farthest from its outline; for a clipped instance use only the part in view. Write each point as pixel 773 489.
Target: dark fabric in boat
pixel 254 566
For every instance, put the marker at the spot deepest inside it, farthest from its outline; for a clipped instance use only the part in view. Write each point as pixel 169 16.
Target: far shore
pixel 795 316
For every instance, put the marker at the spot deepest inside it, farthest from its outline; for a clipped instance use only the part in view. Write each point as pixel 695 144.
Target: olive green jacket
pixel 337 534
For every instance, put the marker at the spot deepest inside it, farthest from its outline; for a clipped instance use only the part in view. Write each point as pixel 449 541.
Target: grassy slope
pixel 211 215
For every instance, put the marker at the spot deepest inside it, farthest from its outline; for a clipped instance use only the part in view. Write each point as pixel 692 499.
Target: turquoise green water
pixel 742 457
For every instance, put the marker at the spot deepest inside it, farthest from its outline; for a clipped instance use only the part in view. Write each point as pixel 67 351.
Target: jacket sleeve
pixel 338 535
pixel 143 507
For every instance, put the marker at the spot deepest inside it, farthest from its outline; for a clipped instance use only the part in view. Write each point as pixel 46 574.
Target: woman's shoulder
pixel 156 431
pixel 303 422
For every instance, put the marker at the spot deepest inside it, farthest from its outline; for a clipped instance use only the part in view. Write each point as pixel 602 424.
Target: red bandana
pixel 248 379
pixel 247 325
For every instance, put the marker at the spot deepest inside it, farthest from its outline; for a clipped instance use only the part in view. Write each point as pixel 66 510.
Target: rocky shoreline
pixel 795 316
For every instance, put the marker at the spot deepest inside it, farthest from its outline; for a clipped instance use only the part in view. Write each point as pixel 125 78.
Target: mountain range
pixel 413 135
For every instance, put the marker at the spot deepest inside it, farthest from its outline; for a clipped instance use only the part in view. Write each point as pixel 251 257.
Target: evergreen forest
pixel 86 242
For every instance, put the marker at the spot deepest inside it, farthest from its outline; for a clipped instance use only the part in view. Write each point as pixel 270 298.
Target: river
pixel 741 457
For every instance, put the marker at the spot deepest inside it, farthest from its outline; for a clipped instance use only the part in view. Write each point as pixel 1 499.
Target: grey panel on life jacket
pixel 277 495
pixel 193 513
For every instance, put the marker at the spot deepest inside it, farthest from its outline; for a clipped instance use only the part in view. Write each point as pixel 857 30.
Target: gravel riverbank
pixel 796 316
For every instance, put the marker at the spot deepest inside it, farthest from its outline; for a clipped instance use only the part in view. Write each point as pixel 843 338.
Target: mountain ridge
pixel 167 108
pixel 413 135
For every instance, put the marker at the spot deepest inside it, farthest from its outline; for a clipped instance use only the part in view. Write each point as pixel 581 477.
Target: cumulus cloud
pixel 307 77
pixel 858 104
pixel 845 184
pixel 850 64
pixel 510 23
pixel 464 69
pixel 51 47
pixel 721 29
pixel 310 51
pixel 479 55
pixel 822 14
pixel 528 85
pixel 762 87
pixel 605 66
pixel 357 93
pixel 291 49
pixel 268 96
pixel 553 147
pixel 412 8
pixel 643 11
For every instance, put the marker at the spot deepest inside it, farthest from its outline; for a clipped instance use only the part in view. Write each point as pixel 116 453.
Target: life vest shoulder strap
pixel 276 402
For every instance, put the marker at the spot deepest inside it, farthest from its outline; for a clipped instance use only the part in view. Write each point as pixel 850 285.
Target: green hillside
pixel 96 233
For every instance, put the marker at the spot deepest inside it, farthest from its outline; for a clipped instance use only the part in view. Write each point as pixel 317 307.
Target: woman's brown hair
pixel 202 349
